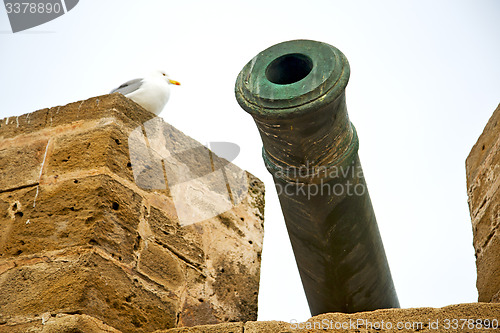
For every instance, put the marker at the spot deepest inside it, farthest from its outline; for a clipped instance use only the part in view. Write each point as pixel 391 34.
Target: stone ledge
pixel 423 320
pixel 46 323
pixel 95 108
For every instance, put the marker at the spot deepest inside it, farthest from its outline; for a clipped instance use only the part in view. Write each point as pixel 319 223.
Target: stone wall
pixel 90 234
pixel 483 189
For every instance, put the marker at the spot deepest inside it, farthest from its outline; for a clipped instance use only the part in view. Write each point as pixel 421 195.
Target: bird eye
pixel 164 74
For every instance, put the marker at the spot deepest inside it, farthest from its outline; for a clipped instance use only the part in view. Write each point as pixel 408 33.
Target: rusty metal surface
pixel 295 91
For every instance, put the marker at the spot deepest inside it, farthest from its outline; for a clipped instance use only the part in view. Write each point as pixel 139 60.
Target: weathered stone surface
pixel 267 327
pixel 16 126
pixel 483 189
pixel 454 318
pixel 46 323
pixel 83 282
pixel 222 256
pixel 488 271
pixel 77 150
pixel 26 160
pixel 114 106
pixel 95 210
pixel 81 233
pixel 218 328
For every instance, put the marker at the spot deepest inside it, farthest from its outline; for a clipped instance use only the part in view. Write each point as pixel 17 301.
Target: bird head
pixel 169 80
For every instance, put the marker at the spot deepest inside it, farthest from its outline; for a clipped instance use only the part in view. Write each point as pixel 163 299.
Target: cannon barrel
pixel 295 92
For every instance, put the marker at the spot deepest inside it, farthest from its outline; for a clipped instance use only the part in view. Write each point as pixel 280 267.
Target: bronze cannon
pixel 295 91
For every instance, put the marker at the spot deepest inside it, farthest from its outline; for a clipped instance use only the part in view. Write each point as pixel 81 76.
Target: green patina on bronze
pixel 323 83
pixel 295 91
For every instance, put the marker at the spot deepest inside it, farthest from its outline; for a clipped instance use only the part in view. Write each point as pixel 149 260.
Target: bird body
pixel 151 92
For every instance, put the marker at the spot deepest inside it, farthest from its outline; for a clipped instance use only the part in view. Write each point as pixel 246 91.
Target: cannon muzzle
pixel 295 91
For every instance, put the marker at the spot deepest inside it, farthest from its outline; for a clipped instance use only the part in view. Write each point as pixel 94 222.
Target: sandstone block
pixel 104 145
pixel 95 210
pixel 488 270
pixel 83 283
pixel 26 160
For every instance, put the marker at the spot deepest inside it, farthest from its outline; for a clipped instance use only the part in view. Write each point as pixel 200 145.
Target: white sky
pixel 425 78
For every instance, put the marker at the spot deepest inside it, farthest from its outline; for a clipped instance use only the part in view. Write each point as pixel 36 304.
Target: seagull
pixel 151 92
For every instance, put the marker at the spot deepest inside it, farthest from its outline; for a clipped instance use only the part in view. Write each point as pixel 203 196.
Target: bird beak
pixel 174 82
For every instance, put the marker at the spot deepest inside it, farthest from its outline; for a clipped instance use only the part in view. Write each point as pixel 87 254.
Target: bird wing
pixel 129 86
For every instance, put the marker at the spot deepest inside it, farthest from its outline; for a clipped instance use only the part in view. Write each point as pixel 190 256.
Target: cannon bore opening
pixel 289 68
